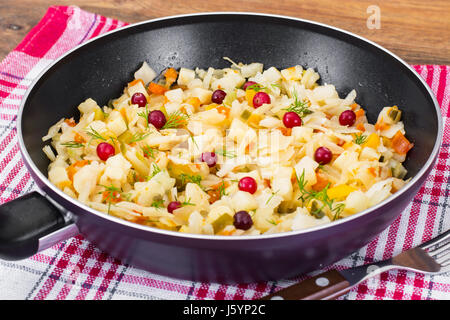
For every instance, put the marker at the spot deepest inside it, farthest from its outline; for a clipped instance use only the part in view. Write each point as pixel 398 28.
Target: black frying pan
pixel 101 67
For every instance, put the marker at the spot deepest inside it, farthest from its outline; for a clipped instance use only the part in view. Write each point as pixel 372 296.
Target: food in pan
pixel 236 151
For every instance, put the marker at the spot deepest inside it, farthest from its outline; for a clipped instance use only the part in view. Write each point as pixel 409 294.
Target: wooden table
pixel 417 31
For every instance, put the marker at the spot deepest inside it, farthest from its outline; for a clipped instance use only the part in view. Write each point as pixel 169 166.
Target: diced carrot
pixel 266 183
pixel 381 126
pixel 360 127
pixel 354 106
pixel 156 88
pixel 111 196
pixel 224 110
pixel 136 81
pixel 400 144
pixel 360 113
pixel 322 181
pixel 70 122
pixel 171 75
pixel 74 167
pixel 372 171
pixel 78 138
pixel 285 131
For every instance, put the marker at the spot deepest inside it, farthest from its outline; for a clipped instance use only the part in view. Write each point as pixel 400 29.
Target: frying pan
pixel 101 67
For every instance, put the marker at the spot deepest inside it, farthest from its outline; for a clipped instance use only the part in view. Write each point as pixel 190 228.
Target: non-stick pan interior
pixel 101 68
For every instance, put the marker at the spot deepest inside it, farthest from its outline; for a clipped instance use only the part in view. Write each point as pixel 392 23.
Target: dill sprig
pixel 224 153
pixel 306 196
pixel 187 203
pixel 360 138
pixel 72 144
pixel 149 151
pixel 190 178
pixel 157 204
pixel 271 222
pixel 144 114
pixel 175 120
pixel 298 106
pixel 94 134
pixel 221 189
pixel 138 137
pixel 155 171
pixel 111 194
pixel 270 198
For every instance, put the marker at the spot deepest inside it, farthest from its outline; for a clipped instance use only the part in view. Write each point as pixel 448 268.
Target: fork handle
pixel 325 286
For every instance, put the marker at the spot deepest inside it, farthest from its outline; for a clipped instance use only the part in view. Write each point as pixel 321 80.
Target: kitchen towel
pixel 76 269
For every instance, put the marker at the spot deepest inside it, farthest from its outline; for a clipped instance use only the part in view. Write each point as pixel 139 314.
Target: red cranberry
pixel 105 150
pixel 218 96
pixel 323 155
pixel 157 118
pixel 139 99
pixel 248 184
pixel 248 84
pixel 260 98
pixel 292 119
pixel 210 158
pixel 347 118
pixel 242 220
pixel 173 206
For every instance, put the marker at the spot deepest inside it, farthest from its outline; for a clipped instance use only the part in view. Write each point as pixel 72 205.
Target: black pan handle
pixel 24 221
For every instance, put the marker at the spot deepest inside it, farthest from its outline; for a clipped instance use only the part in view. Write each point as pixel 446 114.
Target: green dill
pixel 155 171
pixel 139 137
pixel 149 151
pixel 322 195
pixel 226 154
pixel 271 222
pixel 360 138
pixel 190 178
pixel 111 194
pixel 72 144
pixel 298 106
pixel 157 204
pixel 270 198
pixel 193 141
pixel 144 114
pixel 187 203
pixel 94 134
pixel 175 120
pixel 221 189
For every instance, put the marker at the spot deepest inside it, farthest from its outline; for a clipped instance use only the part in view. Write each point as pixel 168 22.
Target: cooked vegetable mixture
pixel 237 151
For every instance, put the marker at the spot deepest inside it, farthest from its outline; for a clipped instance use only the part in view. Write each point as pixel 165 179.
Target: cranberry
pixel 260 98
pixel 248 84
pixel 139 99
pixel 292 119
pixel 105 150
pixel 347 118
pixel 174 205
pixel 242 220
pixel 218 96
pixel 248 184
pixel 157 118
pixel 323 155
pixel 210 158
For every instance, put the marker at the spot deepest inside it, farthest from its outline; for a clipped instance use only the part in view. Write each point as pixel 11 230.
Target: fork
pixel 432 257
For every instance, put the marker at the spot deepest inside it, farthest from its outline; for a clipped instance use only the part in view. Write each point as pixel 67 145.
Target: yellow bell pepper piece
pixel 249 94
pixel 373 141
pixel 340 191
pixel 211 106
pixel 254 120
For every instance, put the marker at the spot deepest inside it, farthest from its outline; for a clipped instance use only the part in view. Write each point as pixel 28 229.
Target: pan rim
pixel 335 224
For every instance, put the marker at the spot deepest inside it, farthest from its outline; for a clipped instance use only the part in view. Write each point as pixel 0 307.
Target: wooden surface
pixel 417 31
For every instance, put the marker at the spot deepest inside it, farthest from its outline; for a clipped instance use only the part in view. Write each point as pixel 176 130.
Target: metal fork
pixel 432 257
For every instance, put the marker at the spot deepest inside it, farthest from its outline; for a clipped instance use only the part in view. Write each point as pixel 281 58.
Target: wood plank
pixel 417 31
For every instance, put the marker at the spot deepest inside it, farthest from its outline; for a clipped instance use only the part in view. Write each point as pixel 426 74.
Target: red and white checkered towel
pixel 75 269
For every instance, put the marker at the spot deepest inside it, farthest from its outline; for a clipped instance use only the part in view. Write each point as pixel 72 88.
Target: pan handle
pixel 32 223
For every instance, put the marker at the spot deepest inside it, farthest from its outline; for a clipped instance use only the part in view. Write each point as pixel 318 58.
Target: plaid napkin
pixel 75 269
